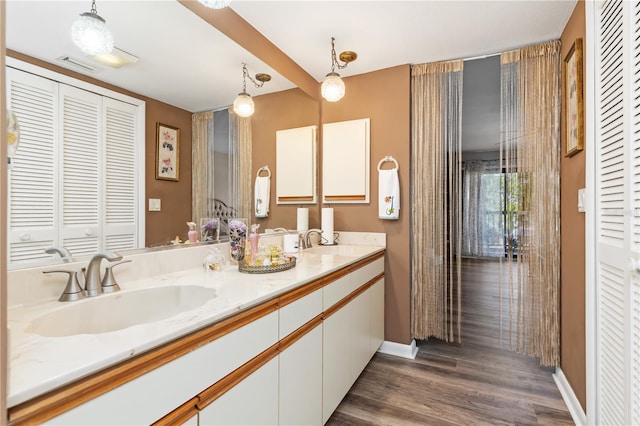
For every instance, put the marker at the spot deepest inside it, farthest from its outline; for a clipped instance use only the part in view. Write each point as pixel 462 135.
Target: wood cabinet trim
pixel 348 298
pixel 180 415
pixel 58 401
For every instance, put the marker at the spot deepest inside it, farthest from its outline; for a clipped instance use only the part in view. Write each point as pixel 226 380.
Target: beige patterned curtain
pixel 242 164
pixel 436 101
pixel 530 149
pixel 202 139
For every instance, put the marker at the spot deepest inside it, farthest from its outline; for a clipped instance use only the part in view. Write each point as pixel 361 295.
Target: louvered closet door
pixel 618 213
pixel 120 177
pixel 81 116
pixel 33 200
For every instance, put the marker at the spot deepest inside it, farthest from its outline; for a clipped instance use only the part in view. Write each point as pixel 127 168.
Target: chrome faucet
pixel 92 281
pixel 306 241
pixel 62 251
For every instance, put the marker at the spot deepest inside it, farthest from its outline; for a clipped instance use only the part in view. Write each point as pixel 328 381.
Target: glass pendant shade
pixel 91 35
pixel 243 105
pixel 332 87
pixel 215 4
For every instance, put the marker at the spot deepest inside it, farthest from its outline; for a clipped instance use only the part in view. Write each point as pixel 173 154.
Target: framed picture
pixel 573 117
pixel 167 152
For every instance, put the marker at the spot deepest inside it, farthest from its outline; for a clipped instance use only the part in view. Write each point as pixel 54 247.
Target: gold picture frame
pixel 573 118
pixel 167 152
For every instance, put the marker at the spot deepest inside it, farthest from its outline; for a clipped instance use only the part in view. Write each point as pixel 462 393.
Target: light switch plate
pixel 581 196
pixel 154 204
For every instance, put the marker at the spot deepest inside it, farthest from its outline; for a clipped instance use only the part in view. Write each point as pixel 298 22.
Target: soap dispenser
pixel 253 239
pixel 192 234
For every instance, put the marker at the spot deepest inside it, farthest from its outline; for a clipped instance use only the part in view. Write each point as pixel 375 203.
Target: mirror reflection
pixel 177 74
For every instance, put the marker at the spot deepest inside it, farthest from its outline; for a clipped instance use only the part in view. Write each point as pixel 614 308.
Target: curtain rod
pixel 489 55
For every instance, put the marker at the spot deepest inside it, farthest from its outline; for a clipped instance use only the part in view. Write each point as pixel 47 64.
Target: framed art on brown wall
pixel 167 152
pixel 573 108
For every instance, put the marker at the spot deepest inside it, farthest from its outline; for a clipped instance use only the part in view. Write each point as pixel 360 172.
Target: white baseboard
pixel 569 397
pixel 398 349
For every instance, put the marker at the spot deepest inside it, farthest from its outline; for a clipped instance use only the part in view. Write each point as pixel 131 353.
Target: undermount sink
pixel 112 312
pixel 339 250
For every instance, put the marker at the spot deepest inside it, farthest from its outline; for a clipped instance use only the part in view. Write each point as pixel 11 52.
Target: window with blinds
pixel 75 180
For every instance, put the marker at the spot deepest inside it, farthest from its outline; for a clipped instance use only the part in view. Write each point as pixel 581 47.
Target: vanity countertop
pixel 39 364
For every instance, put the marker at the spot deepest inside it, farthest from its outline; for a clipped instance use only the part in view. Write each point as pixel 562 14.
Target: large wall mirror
pixel 183 66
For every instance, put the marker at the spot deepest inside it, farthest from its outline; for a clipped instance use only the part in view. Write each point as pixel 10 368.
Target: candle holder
pixel 237 238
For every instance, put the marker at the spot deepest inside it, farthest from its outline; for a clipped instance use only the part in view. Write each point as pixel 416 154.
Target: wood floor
pixel 476 383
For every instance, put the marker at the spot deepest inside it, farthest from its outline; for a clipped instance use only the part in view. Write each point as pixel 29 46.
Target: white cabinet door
pixel 376 316
pixel 360 341
pixel 300 393
pixel 254 401
pixel 336 351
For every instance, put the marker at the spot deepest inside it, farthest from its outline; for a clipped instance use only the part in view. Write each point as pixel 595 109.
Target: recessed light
pixel 116 59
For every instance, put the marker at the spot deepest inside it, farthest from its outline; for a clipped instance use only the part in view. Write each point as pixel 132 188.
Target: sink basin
pixel 339 250
pixel 119 310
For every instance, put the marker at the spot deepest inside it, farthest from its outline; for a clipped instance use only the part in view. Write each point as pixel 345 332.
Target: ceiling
pixel 186 62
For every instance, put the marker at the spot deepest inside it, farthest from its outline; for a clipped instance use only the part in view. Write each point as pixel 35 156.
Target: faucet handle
pixel 109 283
pixel 73 290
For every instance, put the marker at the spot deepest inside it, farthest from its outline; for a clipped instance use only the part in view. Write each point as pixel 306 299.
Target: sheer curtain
pixel 436 102
pixel 482 222
pixel 221 158
pixel 530 121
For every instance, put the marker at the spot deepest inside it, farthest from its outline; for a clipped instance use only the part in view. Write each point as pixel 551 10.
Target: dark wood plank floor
pixel 476 383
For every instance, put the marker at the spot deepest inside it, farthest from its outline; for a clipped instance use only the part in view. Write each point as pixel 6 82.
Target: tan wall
pixel 176 196
pixel 384 97
pixel 572 305
pixel 288 109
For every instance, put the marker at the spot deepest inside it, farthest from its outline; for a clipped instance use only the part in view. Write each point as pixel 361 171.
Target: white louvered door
pixel 121 175
pixel 617 154
pixel 33 201
pixel 78 176
pixel 81 124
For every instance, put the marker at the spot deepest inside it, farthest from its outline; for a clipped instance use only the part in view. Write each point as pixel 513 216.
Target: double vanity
pixel 182 345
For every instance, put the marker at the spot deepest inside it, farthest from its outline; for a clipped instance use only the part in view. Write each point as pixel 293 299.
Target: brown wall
pixel 572 305
pixel 288 109
pixel 175 196
pixel 384 97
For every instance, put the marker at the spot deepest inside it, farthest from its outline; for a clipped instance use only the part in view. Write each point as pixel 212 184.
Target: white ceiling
pixel 187 63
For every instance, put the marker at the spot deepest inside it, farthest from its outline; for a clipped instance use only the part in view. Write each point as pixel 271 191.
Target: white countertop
pixel 39 364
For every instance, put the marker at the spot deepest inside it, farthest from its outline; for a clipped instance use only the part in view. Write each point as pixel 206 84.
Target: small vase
pixel 237 238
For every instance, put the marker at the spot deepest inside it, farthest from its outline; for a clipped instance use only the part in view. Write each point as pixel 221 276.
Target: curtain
pixel 202 164
pixel 530 148
pixel 229 171
pixel 482 222
pixel 436 103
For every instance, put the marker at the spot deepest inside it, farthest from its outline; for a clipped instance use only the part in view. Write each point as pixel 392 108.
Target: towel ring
pixel 264 169
pixel 388 158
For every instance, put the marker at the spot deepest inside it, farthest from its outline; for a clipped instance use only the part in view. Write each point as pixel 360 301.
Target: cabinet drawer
pixel 149 397
pixel 296 314
pixel 366 273
pixel 336 291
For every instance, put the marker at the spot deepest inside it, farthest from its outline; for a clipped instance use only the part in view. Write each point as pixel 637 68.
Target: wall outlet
pixel 154 204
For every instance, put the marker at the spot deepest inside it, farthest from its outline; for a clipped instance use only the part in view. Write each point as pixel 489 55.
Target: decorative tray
pixel 243 267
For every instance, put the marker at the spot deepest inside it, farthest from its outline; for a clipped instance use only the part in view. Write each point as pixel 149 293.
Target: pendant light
pixel 215 4
pixel 243 105
pixel 333 87
pixel 90 33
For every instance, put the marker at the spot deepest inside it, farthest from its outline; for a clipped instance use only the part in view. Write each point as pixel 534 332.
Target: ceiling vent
pixel 78 65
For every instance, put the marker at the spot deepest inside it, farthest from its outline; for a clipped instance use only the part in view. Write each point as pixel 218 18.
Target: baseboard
pixel 398 349
pixel 569 397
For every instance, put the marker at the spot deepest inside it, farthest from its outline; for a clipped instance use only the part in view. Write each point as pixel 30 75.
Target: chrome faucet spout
pixel 306 240
pixel 92 276
pixel 61 251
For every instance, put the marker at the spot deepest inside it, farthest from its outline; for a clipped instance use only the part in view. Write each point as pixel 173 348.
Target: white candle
pixel 327 225
pixel 303 219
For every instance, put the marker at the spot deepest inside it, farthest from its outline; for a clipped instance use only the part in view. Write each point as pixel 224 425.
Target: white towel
pixel 388 194
pixel 262 194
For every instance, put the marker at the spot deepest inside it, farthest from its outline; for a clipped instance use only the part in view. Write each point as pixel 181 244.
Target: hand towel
pixel 262 193
pixel 388 194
